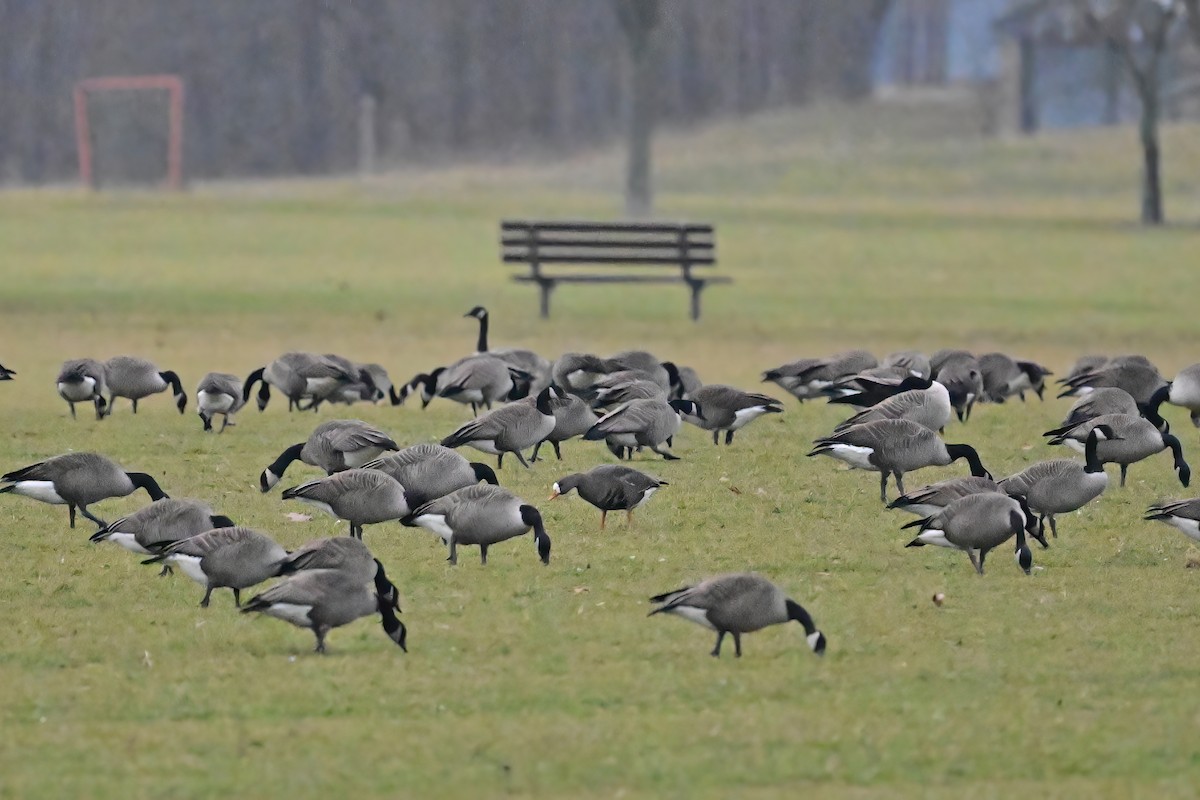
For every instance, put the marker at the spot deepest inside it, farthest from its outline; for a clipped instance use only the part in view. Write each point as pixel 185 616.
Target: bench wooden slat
pixel 613 227
pixel 616 260
pixel 616 279
pixel 524 243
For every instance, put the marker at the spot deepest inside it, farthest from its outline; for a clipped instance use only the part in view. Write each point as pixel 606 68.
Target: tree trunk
pixel 639 199
pixel 1152 201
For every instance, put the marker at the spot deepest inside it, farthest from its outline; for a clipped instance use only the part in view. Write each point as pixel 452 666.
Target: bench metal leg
pixel 697 287
pixel 545 287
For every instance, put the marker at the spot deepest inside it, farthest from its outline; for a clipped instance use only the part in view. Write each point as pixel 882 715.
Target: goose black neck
pixel 957 451
pixel 1181 466
pixel 1091 456
pixel 484 473
pixel 543 401
pixel 143 481
pixel 392 625
pixel 1150 410
pixel 280 465
pixel 251 379
pixel 797 612
pixel 532 517
pixel 221 521
pixel 393 397
pixel 482 345
pixel 173 379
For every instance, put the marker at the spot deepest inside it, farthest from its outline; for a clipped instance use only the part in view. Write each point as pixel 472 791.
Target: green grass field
pixel 880 228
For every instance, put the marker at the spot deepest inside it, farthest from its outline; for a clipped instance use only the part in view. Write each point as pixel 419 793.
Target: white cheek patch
pixel 693 614
pixel 291 612
pixel 271 477
pixel 813 638
pixel 857 457
pixel 190 566
pixel 39 490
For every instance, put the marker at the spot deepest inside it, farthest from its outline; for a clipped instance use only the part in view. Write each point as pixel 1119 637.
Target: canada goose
pixel 343 553
pixel 928 405
pixel 136 378
pixel 928 500
pixel 479 380
pixel 621 387
pixel 78 480
pixel 960 373
pixel 323 599
pixel 689 384
pixel 1132 440
pixel 430 471
pixel 1184 391
pixel 160 523
pixel 610 487
pixel 332 446
pixel 483 515
pixel 1098 402
pixel 6 374
pixel 1062 485
pixel 525 360
pixel 1088 363
pixel 285 374
pixel 231 558
pixel 738 603
pixel 510 429
pixel 807 377
pixel 219 393
pixel 867 388
pixel 1182 515
pixel 1004 376
pixel 359 496
pixel 914 362
pixel 976 524
pixel 642 423
pixel 336 378
pixel 82 381
pixel 573 372
pixel 572 417
pixel 1140 380
pixel 725 408
pixel 895 446
pixel 385 389
pixel 664 373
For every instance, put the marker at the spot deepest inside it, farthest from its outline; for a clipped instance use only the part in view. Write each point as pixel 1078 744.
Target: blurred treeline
pixel 277 86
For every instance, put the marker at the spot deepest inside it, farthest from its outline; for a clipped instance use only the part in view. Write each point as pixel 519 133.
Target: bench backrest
pixel 683 245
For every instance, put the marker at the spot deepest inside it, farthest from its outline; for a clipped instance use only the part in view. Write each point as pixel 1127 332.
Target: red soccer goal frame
pixel 173 85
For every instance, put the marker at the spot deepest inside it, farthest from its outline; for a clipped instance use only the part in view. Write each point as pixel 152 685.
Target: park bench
pixel 641 251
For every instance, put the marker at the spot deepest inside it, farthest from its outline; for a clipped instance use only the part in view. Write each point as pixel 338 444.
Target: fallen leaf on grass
pixel 298 517
pixel 735 490
pixel 580 589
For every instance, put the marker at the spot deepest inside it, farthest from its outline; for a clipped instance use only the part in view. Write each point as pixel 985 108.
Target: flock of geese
pixel 631 401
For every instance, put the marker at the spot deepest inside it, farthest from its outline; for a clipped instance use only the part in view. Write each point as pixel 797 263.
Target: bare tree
pixel 638 20
pixel 1139 30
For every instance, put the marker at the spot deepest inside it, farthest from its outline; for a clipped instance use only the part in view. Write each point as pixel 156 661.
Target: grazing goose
pixel 6 374
pixel 82 381
pixel 526 361
pixel 148 529
pixel 738 603
pixel 1004 376
pixel 808 377
pixel 219 393
pixel 1098 402
pixel 929 500
pixel 664 373
pixel 336 378
pixel 1184 391
pixel 430 471
pixel 1088 363
pixel 1140 380
pixel 572 417
pixel 976 524
pixel 642 423
pixel 1062 485
pixel 610 487
pixel 135 378
pixel 724 408
pixel 928 405
pixel 382 382
pixel 481 515
pixel 689 384
pixel 347 554
pixel 230 558
pixel 510 429
pixel 960 373
pixel 621 387
pixel 323 599
pixel 574 372
pixel 1132 440
pixel 78 480
pixel 359 496
pixel 895 446
pixel 333 446
pixel 287 374
pixel 1182 515
pixel 479 380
